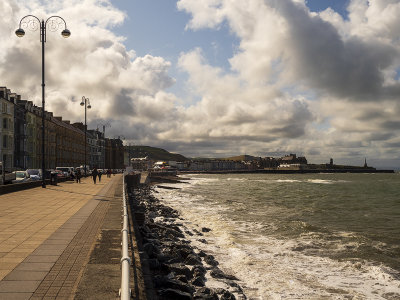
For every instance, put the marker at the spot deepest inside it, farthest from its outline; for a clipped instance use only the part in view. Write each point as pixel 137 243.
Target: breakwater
pixel 175 268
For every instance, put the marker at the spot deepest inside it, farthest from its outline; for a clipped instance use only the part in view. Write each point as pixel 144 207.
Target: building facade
pixel 7 103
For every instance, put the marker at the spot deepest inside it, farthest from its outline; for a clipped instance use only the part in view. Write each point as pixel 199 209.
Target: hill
pixel 153 153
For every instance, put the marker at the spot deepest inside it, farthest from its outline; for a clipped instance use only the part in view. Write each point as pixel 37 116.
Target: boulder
pixel 174 294
pixel 192 260
pixel 209 259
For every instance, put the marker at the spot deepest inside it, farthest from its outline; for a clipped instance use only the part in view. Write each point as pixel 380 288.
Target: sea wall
pixel 175 269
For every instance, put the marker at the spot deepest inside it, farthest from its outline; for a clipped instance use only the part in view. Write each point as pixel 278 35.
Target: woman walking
pixel 94 175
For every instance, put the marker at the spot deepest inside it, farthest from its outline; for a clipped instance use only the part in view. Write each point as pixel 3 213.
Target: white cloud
pixel 312 83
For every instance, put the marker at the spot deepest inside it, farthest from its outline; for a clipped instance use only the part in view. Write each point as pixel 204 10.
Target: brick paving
pixel 46 236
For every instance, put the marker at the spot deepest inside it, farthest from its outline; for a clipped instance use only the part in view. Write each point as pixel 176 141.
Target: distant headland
pixel 146 157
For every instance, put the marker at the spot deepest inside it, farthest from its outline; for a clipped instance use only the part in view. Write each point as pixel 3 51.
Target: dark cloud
pixel 349 68
pixel 122 104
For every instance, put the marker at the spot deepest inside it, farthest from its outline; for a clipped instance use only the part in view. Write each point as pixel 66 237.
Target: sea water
pixel 298 236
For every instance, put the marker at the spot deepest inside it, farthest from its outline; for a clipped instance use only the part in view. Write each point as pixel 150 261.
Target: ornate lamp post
pixel 85 102
pixel 33 22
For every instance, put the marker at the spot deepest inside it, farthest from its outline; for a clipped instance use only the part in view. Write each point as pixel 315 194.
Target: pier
pixel 64 242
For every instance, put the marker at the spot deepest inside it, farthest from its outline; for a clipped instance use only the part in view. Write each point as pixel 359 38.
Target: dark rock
pixel 163 257
pixel 226 295
pixel 192 260
pixel 180 269
pixel 197 232
pixel 205 293
pixel 174 294
pixel 202 253
pixel 184 252
pixel 203 241
pixel 199 281
pixel 159 281
pixel 178 285
pixel 205 229
pixel 153 263
pixel 209 259
pixel 199 271
pixel 181 278
pixel 151 250
pixel 217 273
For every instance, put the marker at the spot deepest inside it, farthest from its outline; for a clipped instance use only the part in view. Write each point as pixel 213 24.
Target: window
pixel 5 141
pixel 5 123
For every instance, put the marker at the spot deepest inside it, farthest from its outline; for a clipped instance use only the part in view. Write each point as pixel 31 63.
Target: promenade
pixel 47 237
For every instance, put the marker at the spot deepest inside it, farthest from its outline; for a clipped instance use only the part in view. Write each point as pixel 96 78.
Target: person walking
pixel 109 173
pixel 78 175
pixel 94 175
pixel 99 174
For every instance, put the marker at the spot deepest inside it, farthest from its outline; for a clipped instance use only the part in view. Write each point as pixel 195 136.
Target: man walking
pixel 94 175
pixel 78 175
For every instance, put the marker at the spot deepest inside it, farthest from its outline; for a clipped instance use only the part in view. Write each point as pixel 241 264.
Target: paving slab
pixel 47 235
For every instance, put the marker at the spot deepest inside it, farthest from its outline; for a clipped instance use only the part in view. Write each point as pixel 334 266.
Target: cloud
pixel 344 72
pixel 299 81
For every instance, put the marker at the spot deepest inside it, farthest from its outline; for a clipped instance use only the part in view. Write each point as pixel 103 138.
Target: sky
pixel 216 78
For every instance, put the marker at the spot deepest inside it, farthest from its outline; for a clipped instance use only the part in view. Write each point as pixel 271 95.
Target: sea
pixel 297 236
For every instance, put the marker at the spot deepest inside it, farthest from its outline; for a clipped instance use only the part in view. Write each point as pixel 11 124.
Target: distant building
pixel 292 162
pixel 268 163
pixel 7 103
pixel 141 163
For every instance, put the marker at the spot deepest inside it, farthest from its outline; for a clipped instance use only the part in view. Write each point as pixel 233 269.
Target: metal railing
pixel 125 291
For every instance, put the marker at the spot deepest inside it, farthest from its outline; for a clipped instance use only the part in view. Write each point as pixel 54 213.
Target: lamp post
pixel 32 22
pixel 85 102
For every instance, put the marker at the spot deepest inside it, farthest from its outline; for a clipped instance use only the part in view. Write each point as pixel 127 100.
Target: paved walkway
pixel 46 236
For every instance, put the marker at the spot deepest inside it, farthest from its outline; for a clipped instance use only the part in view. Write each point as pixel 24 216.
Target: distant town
pixel 155 159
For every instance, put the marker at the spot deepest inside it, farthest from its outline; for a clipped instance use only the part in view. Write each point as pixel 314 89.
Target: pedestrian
pixel 94 175
pixel 99 174
pixel 78 175
pixel 109 173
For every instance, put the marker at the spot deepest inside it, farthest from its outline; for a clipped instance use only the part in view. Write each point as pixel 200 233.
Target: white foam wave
pixel 270 268
pixel 287 180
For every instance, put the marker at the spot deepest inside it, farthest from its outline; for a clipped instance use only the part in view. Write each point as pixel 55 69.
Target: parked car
pixel 59 173
pixel 68 171
pixel 34 174
pixel 5 176
pixel 20 176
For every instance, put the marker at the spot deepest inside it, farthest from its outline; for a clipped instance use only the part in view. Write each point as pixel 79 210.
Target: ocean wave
pixel 281 268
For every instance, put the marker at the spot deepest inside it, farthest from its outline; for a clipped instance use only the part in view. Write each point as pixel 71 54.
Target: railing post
pixel 125 291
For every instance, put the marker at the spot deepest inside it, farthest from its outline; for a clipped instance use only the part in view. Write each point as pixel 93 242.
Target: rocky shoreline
pixel 178 269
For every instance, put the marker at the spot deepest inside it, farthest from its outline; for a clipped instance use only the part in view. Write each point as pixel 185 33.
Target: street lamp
pixel 85 102
pixel 32 22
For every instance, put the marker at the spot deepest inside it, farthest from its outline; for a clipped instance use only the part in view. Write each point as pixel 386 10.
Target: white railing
pixel 125 291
